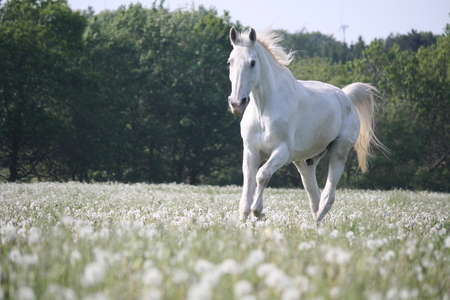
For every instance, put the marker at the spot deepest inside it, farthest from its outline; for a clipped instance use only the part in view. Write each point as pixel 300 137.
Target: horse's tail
pixel 361 94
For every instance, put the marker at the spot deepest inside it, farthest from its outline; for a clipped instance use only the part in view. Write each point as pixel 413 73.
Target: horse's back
pixel 327 108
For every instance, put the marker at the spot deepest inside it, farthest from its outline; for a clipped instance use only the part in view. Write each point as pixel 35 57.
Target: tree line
pixel 139 95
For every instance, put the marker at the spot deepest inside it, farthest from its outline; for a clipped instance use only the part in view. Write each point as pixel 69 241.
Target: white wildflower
pixel 248 297
pixel 389 255
pixel 334 234
pixel 151 294
pixel 278 279
pixel 392 294
pixel 8 233
pixel 260 224
pixel 33 235
pixel 375 296
pixel 265 269
pixel 22 232
pixel 255 258
pixel 98 296
pixel 85 231
pixel 25 293
pixel 406 294
pixel 229 266
pixel 304 246
pixel 67 220
pixel 59 292
pixel 153 277
pixel 242 288
pixel 447 242
pixel 15 256
pixel 202 266
pixel 93 273
pixel 304 227
pixel 180 276
pixel 29 259
pixel 337 256
pixel 350 235
pixel 312 270
pixel 302 282
pixel 334 292
pixel 75 256
pixel 290 293
pixel 199 291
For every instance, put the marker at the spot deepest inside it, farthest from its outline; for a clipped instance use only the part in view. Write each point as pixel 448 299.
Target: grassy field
pixel 116 241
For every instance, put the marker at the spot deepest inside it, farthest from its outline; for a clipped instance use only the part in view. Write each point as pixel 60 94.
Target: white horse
pixel 285 120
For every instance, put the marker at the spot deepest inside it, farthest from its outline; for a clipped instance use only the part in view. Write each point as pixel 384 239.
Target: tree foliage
pixel 139 94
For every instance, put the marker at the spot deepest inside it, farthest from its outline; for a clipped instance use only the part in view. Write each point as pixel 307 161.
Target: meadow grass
pixel 167 241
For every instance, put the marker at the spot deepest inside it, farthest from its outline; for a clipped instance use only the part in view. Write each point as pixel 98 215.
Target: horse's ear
pixel 233 36
pixel 252 36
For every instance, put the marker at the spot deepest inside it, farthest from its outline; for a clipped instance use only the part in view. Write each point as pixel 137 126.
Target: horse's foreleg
pixel 278 158
pixel 338 157
pixel 307 171
pixel 250 166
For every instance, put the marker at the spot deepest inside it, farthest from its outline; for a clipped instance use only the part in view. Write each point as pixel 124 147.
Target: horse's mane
pixel 270 39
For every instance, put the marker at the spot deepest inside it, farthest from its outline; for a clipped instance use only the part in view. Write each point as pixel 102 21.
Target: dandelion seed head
pixel 151 294
pixel 98 296
pixel 304 246
pixel 152 277
pixel 61 293
pixel 199 291
pixel 8 233
pixel 202 266
pixel 255 258
pixel 389 255
pixel 350 235
pixel 242 288
pixel 25 293
pixel 447 242
pixel 334 292
pixel 337 256
pixel 334 234
pixel 291 293
pixel 180 276
pixel 94 273
pixel 229 266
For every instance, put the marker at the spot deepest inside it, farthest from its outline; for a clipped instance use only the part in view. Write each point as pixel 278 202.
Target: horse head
pixel 244 69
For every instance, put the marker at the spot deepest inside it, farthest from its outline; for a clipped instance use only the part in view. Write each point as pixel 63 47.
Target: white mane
pixel 270 40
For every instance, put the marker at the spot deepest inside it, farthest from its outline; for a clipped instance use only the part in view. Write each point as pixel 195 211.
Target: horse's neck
pixel 272 76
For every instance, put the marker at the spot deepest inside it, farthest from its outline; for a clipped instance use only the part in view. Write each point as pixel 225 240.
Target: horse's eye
pixel 252 63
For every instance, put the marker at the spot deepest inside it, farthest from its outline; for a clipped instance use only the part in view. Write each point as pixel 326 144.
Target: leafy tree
pixel 164 84
pixel 411 41
pixel 36 39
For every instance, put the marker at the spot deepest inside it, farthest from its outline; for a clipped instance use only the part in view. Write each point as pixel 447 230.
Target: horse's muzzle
pixel 238 106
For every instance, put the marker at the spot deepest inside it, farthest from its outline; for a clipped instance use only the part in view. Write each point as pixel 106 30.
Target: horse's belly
pixel 309 142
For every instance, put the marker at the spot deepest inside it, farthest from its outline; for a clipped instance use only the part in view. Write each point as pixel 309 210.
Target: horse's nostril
pixel 243 101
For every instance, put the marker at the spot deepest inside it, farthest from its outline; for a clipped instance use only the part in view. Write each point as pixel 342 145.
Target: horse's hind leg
pixel 307 170
pixel 338 156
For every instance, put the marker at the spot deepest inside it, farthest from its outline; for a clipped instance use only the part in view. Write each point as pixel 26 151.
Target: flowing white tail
pixel 361 94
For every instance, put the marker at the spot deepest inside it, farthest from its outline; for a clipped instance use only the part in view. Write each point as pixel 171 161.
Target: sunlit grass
pixel 118 241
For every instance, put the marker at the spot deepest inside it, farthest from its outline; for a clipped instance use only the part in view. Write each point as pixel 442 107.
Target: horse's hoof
pixel 244 217
pixel 260 215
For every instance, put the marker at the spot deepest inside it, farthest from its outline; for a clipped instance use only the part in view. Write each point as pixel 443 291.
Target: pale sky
pixel 369 19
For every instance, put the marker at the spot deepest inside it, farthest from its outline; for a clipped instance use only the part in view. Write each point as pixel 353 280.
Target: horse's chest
pixel 264 136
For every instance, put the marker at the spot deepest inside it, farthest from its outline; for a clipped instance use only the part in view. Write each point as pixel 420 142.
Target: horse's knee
pixel 263 177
